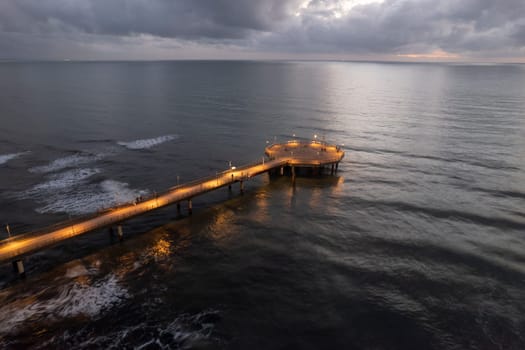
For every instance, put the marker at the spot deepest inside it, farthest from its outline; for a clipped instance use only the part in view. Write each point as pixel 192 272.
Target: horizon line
pixel 88 60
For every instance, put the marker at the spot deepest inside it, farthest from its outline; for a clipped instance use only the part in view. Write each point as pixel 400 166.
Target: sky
pixel 406 30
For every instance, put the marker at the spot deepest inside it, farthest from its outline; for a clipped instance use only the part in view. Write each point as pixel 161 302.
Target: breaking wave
pixel 4 158
pixel 66 179
pixel 76 299
pixel 147 143
pixel 88 199
pixel 68 162
pixel 183 332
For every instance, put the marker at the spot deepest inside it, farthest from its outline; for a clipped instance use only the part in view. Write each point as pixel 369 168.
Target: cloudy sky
pixel 449 30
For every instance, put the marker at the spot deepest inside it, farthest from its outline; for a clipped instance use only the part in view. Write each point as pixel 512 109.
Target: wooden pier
pixel 292 154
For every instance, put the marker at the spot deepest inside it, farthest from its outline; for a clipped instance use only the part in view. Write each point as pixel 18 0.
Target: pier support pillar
pixel 111 231
pixel 241 185
pixel 178 208
pixel 18 267
pixel 282 171
pixel 293 174
pixel 120 233
pixel 333 168
pixel 336 166
pixel 190 207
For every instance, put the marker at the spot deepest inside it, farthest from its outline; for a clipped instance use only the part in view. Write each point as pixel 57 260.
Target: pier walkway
pixel 290 154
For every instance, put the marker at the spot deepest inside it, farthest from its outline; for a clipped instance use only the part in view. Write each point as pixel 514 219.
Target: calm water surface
pixel 418 242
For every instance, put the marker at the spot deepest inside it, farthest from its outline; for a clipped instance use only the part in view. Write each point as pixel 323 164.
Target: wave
pixel 183 332
pixel 75 299
pixel 147 143
pixel 443 213
pixel 68 162
pixel 91 198
pixel 4 158
pixel 501 193
pixel 66 179
pixel 76 271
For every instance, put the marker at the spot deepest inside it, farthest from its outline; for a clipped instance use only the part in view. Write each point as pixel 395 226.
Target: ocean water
pixel 418 241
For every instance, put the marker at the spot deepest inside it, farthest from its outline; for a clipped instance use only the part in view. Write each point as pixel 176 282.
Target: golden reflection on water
pixel 261 214
pixel 83 280
pixel 315 201
pixel 221 228
pixel 338 187
pixel 161 248
pixel 316 189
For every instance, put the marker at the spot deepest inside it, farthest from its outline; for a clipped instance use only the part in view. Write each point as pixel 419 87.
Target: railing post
pixel 120 233
pixel 18 267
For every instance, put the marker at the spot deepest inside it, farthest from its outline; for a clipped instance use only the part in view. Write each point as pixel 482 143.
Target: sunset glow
pixel 437 54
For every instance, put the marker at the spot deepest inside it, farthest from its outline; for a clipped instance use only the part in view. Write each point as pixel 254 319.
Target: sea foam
pixel 75 299
pixel 147 143
pixel 185 331
pixel 90 198
pixel 4 158
pixel 67 179
pixel 68 162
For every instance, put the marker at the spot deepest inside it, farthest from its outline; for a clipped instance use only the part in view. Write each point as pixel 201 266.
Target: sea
pixel 416 242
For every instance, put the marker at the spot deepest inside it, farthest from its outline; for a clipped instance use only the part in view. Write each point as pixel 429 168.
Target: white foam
pixel 74 299
pixel 68 162
pixel 147 143
pixel 90 198
pixel 76 271
pixel 66 179
pixel 90 300
pixel 4 158
pixel 183 332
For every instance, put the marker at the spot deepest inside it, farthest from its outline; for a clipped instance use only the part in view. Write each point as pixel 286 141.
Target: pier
pixel 288 156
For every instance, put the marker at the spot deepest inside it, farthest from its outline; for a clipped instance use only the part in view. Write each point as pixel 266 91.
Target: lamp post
pixel 232 169
pixel 8 230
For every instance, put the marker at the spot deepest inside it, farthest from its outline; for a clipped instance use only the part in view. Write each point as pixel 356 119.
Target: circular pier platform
pixel 305 153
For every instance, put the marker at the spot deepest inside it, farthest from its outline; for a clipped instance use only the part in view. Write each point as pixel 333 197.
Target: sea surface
pixel 417 242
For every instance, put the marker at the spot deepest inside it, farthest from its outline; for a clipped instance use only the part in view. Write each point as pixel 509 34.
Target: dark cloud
pixel 473 28
pixel 166 18
pixel 397 26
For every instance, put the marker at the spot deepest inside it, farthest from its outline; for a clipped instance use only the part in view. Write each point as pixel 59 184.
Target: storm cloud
pixel 171 28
